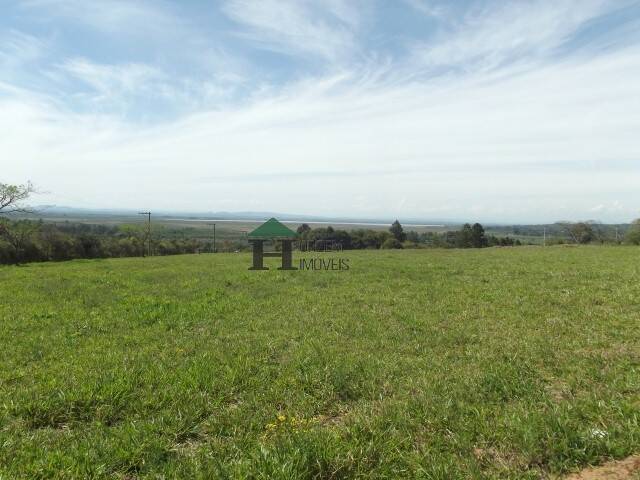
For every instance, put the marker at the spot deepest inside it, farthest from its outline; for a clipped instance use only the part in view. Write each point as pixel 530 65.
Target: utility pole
pixel 544 238
pixel 215 250
pixel 617 241
pixel 148 214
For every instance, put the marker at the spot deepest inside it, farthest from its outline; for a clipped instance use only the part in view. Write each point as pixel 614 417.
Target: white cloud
pixel 178 62
pixel 129 88
pixel 113 79
pixel 18 47
pixel 141 18
pixel 540 137
pixel 543 138
pixel 298 27
pixel 506 31
pixel 19 51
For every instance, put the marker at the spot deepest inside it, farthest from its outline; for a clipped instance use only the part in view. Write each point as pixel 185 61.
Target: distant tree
pixel 397 231
pixel 89 246
pixel 582 232
pixel 19 235
pixel 391 242
pixel 130 247
pixel 478 239
pixel 303 230
pixel 413 237
pixel 464 236
pixel 508 242
pixel 451 239
pixel 330 239
pixel 56 245
pixel 16 234
pixel 633 234
pixel 138 236
pixel 368 239
pixel 13 196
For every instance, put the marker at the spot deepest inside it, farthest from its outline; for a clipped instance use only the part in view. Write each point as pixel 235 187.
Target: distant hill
pixel 56 210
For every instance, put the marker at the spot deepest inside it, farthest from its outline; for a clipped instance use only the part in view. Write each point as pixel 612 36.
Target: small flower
pixel 281 418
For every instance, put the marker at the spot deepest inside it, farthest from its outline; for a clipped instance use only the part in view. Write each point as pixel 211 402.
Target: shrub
pixel 391 243
pixel 633 235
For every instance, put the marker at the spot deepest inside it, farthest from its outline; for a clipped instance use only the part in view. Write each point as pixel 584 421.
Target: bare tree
pixel 16 234
pixel 566 227
pixel 13 196
pixel 579 232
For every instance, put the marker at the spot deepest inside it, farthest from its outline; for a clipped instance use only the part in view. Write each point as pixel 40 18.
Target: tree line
pixel 473 236
pixel 24 241
pixel 469 236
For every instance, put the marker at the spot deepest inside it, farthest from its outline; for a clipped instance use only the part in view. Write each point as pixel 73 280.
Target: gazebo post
pixel 258 249
pixel 287 258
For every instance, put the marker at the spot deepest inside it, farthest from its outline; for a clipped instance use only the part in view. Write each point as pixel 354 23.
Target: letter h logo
pixel 272 230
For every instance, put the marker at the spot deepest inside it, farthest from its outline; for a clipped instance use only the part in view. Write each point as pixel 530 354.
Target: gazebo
pixel 272 230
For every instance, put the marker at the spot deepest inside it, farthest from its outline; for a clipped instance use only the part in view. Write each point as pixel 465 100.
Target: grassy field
pixel 494 363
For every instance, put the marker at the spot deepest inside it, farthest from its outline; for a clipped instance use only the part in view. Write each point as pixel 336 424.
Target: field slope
pixel 495 363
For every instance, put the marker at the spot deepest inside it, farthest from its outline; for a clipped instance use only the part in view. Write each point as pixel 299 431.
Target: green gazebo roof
pixel 272 229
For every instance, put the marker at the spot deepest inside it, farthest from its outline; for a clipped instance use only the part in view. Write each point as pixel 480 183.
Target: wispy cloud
pixel 19 47
pixel 113 79
pixel 434 144
pixel 139 18
pixel 17 51
pixel 488 36
pixel 298 27
pixel 491 116
pixel 124 89
pixel 428 7
pixel 184 69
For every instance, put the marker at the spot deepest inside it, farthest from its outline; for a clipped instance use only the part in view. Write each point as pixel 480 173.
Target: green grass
pixel 495 363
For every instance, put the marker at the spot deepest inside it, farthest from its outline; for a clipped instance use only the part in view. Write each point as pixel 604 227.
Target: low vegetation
pixel 23 241
pixel 478 363
pixel 26 241
pixel 633 235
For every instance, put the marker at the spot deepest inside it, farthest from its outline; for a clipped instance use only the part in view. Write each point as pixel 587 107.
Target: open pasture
pixel 442 364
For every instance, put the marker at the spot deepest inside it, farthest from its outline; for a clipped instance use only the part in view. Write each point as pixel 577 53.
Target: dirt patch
pixel 187 449
pixel 559 391
pixel 627 469
pixel 493 458
pixel 332 420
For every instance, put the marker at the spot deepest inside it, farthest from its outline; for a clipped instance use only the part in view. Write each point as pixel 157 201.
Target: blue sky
pixel 487 110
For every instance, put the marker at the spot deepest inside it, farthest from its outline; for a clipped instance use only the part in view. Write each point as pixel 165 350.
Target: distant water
pixel 239 220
